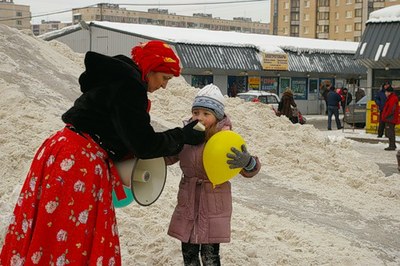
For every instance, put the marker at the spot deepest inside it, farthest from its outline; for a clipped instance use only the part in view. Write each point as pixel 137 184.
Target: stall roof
pixel 218 57
pixel 380 43
pixel 342 64
pixel 206 49
pixel 263 42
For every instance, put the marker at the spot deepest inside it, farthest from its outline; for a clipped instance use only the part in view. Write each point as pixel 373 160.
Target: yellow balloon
pixel 214 156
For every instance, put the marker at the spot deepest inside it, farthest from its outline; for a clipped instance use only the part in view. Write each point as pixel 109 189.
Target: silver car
pixel 356 113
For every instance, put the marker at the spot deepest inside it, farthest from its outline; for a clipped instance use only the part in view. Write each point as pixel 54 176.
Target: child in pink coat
pixel 202 217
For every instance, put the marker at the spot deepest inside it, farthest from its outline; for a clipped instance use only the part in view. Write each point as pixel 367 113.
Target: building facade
pixel 342 20
pixel 250 61
pixel 161 17
pixel 48 26
pixel 15 16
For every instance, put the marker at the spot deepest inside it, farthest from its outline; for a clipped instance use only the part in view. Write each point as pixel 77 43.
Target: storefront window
pixel 382 75
pixel 312 89
pixel 284 83
pixel 199 81
pixel 299 88
pixel 269 84
pixel 236 84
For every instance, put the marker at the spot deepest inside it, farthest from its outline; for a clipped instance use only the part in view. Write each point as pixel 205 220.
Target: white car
pixel 260 96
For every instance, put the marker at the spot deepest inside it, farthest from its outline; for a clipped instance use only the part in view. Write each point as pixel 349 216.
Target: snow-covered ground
pixel 320 198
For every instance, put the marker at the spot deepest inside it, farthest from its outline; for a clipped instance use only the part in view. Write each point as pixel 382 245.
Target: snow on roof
pixel 265 43
pixel 53 34
pixel 387 14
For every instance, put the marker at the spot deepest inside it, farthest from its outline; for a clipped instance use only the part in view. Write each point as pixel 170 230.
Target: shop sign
pixel 254 83
pixel 275 62
pixel 372 119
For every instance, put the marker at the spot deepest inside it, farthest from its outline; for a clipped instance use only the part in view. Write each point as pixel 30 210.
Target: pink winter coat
pixel 203 213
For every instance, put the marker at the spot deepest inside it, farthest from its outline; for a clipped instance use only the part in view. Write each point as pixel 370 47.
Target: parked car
pixel 356 113
pixel 260 96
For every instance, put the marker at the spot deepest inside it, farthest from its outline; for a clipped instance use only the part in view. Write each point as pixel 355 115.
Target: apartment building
pixel 342 20
pixel 161 17
pixel 48 26
pixel 15 16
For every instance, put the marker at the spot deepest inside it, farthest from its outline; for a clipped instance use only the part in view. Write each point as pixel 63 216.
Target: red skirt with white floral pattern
pixel 64 214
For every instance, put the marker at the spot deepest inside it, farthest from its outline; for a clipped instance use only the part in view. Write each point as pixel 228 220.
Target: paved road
pixel 320 122
pixel 379 235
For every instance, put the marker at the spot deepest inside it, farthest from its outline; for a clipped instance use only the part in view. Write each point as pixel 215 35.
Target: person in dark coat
pixel 65 212
pixel 359 94
pixel 346 99
pixel 390 115
pixel 380 100
pixel 333 101
pixel 287 104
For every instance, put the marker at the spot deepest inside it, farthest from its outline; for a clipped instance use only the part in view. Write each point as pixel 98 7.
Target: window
pixel 307 3
pixel 349 14
pixel 336 29
pixel 295 3
pixel 271 99
pixel 306 17
pixel 337 2
pixel 349 2
pixel 19 22
pixel 294 16
pixel 323 29
pixel 337 15
pixel 323 2
pixel 358 26
pixel 285 31
pixel 285 18
pixel 358 13
pixel 199 81
pixel 269 84
pixel 286 5
pixel 19 14
pixel 299 88
pixel 323 15
pixel 306 30
pixel 348 28
pixel 294 30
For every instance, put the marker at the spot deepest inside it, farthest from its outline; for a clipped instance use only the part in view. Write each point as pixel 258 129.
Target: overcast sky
pixel 257 11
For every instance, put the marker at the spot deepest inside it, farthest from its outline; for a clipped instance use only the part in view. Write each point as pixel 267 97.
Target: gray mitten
pixel 240 159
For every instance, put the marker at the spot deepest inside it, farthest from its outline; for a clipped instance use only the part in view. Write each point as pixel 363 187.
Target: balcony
pixel 323 35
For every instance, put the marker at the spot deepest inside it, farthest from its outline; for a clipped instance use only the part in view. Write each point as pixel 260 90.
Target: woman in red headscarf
pixel 65 214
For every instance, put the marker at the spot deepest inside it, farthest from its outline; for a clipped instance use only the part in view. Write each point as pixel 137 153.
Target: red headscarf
pixel 155 56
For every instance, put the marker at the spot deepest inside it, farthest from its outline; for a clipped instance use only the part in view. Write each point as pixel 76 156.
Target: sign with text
pixel 275 62
pixel 254 83
pixel 372 118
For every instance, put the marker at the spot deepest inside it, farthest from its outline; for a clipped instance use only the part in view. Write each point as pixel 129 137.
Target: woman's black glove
pixel 240 159
pixel 192 136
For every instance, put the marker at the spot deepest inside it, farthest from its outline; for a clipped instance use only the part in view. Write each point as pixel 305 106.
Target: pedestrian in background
pixel 288 107
pixel 346 99
pixel 359 94
pixel 333 101
pixel 380 99
pixel 390 115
